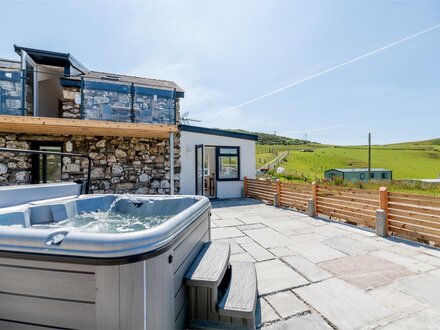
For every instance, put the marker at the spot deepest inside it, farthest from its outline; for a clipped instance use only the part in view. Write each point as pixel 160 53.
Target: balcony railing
pixel 97 99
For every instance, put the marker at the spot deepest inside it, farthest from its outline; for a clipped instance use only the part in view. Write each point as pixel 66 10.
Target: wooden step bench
pixel 211 275
pixel 210 266
pixel 240 300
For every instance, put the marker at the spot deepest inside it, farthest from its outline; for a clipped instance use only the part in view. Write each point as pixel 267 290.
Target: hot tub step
pixel 240 299
pixel 209 267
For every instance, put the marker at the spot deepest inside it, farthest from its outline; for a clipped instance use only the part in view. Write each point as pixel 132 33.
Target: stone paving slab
pixel 265 313
pixel 268 237
pixel 343 304
pixel 405 261
pixel 366 271
pixel 349 245
pixel 235 247
pixel 344 276
pixel 230 222
pixel 309 270
pixel 257 251
pixel 286 304
pixel 242 257
pixel 316 252
pixel 250 227
pixel 308 321
pixel 227 232
pixel 274 275
pixel 424 287
pixel 251 219
pixel 426 320
pixel 397 300
pixel 281 251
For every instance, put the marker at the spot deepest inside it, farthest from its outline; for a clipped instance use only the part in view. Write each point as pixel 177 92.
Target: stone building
pixel 127 125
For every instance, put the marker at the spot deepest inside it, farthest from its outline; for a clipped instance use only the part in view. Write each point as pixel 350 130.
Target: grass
pixel 417 160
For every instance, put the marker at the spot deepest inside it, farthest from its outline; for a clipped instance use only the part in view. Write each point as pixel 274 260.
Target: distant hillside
pixel 272 139
pixel 408 160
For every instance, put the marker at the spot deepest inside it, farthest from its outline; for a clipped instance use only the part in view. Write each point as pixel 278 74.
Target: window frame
pixel 218 154
pixel 35 160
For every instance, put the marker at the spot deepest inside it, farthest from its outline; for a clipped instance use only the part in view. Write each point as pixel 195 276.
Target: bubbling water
pixel 111 221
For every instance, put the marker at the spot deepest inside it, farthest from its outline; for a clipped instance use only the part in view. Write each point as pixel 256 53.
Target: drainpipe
pixel 171 163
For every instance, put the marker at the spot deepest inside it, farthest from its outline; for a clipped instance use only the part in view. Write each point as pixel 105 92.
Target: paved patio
pixel 317 274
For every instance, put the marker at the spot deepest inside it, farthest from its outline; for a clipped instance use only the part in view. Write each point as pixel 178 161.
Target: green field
pixel 417 160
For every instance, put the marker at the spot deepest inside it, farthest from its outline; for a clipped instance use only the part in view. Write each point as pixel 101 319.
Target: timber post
pixel 382 213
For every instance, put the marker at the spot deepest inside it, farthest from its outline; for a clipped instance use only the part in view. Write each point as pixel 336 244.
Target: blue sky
pixel 226 53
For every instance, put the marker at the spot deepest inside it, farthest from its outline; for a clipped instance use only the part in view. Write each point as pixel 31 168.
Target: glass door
pixel 199 170
pixel 30 83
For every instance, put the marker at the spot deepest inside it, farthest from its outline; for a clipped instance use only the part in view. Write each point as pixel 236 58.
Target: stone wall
pixel 120 165
pixel 72 103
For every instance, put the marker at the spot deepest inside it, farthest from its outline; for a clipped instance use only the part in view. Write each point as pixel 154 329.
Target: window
pixel 228 163
pixel 372 175
pixel 362 176
pixel 384 175
pixel 46 168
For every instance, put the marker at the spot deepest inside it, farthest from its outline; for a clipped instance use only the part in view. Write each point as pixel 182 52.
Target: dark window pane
pixel 228 151
pixel 228 167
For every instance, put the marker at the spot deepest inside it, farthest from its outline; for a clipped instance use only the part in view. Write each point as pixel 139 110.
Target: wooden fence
pixel 415 217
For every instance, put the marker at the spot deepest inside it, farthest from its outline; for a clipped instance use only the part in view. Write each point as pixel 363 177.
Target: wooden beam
pixel 62 126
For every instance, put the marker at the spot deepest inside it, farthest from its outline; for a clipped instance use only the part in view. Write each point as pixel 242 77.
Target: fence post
pixel 245 187
pixel 278 202
pixel 382 213
pixel 315 196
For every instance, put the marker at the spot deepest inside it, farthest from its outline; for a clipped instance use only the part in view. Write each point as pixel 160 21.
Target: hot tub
pixel 96 261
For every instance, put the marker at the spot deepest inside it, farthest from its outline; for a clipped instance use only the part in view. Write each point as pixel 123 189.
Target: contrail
pixel 296 83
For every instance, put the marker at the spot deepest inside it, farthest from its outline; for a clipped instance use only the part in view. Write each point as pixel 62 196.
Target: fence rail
pixel 415 217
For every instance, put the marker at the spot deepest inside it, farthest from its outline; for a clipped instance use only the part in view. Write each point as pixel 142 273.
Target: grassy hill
pixel 272 139
pixel 411 160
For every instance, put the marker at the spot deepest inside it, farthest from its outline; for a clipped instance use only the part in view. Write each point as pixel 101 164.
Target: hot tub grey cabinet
pixel 55 276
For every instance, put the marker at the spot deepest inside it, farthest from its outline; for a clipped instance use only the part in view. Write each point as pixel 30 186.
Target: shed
pixel 215 161
pixel 358 174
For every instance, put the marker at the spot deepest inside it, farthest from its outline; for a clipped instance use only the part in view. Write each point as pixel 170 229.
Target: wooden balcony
pixel 61 126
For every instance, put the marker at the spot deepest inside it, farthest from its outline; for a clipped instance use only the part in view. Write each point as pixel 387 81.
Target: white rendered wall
pixel 225 189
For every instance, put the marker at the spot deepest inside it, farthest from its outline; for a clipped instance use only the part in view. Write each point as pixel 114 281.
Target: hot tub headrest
pixel 17 195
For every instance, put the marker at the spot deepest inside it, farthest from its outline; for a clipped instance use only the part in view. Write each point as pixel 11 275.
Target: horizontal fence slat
pixel 350 190
pixel 414 196
pixel 415 208
pixel 330 209
pixel 295 193
pixel 352 198
pixel 414 227
pixel 349 216
pixel 296 196
pixel 348 207
pixel 423 223
pixel 358 205
pixel 416 215
pixel 414 235
pixel 365 197
pixel 417 202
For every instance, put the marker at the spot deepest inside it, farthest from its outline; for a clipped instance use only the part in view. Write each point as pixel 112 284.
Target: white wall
pixel 225 189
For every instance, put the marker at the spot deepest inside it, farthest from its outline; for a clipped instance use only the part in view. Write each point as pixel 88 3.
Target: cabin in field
pixel 358 174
